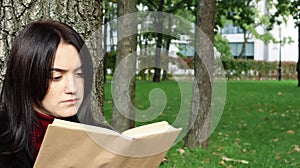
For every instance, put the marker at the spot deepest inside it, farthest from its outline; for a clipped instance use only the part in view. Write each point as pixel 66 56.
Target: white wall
pixel 289 52
pixel 270 52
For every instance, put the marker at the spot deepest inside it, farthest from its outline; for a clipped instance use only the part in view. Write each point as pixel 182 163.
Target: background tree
pixel 84 16
pixel 245 15
pixel 181 7
pixel 127 45
pixel 204 60
pixel 158 22
pixel 108 15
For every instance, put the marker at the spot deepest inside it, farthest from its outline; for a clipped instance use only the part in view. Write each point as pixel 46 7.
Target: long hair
pixel 27 77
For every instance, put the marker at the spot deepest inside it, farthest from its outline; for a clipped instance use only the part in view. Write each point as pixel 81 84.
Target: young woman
pixel 49 75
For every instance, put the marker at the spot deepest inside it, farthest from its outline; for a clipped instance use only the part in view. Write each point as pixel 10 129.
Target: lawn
pixel 260 125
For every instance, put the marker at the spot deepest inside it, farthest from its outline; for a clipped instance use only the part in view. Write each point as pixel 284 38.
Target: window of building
pixel 236 49
pixel 231 29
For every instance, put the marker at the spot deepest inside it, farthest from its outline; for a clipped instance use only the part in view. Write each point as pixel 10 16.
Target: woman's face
pixel 66 86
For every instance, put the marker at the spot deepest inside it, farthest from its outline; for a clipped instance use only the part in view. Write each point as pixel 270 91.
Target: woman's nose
pixel 71 86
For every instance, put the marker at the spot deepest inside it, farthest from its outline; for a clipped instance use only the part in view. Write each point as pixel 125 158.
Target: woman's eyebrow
pixel 58 70
pixel 64 70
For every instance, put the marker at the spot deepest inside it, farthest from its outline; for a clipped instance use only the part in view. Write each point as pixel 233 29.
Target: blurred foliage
pixel 222 46
pixel 259 70
pixel 111 60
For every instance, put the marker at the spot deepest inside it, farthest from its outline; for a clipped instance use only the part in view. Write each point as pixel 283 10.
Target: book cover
pixel 68 144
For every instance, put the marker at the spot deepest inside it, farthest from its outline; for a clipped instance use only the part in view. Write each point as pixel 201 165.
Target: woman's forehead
pixel 66 57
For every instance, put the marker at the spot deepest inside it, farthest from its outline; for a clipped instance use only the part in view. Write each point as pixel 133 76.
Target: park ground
pixel 259 127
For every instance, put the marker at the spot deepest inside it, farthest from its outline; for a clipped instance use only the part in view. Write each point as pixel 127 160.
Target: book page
pixel 150 129
pixel 85 127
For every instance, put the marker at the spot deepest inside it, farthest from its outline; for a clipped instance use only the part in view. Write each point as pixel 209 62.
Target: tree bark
pixel 83 16
pixel 167 46
pixel 159 28
pixel 242 53
pixel 123 114
pixel 202 91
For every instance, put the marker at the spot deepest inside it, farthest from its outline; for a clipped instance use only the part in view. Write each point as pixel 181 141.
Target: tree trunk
pixel 123 114
pixel 159 27
pixel 112 26
pixel 242 53
pixel 83 16
pixel 105 47
pixel 166 59
pixel 167 46
pixel 199 127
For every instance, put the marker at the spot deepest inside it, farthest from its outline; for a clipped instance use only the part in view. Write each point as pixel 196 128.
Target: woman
pixel 49 75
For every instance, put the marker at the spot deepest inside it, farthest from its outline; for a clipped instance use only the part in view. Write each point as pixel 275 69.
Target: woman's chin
pixel 67 114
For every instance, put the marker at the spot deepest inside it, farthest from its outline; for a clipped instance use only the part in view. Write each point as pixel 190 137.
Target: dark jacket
pixel 15 160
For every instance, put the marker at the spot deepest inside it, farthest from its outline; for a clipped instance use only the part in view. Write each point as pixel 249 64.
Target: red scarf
pixel 39 131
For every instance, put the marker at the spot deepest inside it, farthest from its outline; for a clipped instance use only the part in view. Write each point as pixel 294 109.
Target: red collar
pixel 44 118
pixel 39 130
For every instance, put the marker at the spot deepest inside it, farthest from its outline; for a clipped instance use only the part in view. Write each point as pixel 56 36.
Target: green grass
pixel 260 124
pixel 170 89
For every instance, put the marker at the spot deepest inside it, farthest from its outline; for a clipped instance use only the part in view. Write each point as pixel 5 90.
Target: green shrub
pixel 252 69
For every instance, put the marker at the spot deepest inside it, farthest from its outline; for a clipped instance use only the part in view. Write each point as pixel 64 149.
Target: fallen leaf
pixel 296 148
pixel 278 157
pixel 222 162
pixel 260 110
pixel 290 131
pixel 216 154
pixel 181 151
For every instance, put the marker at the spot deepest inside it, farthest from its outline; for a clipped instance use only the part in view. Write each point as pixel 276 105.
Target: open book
pixel 68 144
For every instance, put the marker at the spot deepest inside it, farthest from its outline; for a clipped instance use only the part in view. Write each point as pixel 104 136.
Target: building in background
pixel 257 49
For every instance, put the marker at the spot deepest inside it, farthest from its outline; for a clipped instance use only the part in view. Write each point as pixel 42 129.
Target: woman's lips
pixel 70 101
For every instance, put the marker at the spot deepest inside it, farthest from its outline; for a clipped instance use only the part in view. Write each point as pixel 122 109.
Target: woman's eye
pixel 56 78
pixel 79 74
